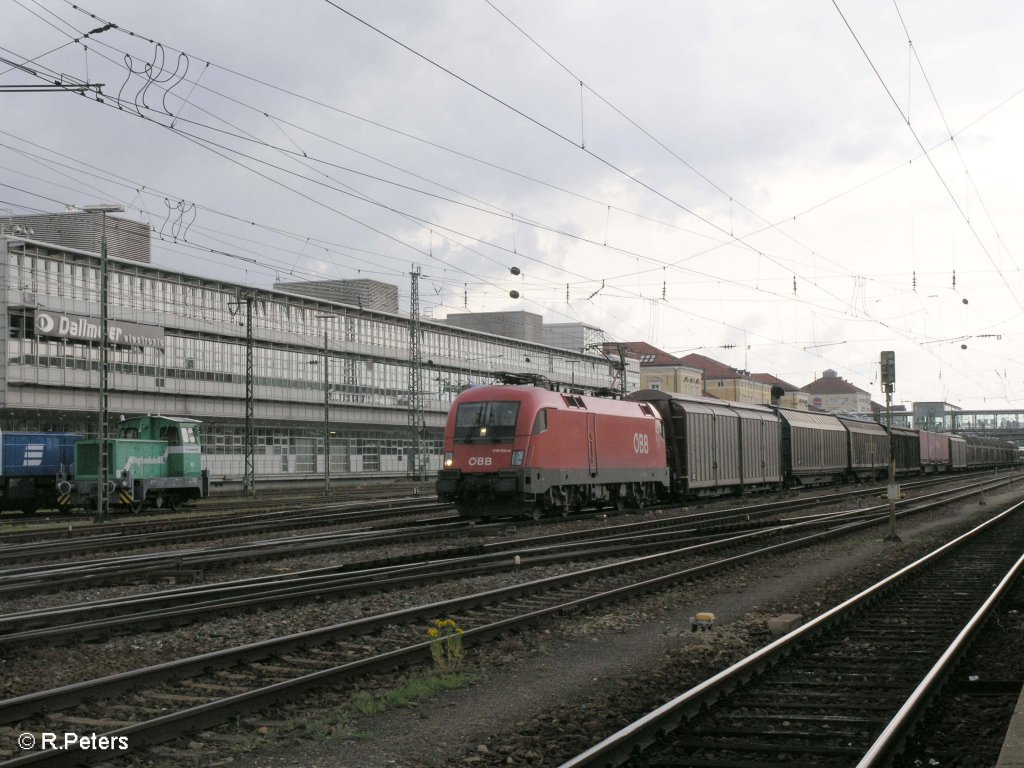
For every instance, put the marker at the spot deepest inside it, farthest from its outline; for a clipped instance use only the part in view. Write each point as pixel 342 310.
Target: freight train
pixel 514 450
pixel 155 461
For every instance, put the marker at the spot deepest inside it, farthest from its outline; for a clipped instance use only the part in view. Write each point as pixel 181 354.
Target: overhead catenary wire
pixel 931 162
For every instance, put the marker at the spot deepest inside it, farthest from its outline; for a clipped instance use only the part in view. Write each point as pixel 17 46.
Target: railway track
pixel 218 506
pixel 701 531
pixel 704 533
pixel 845 689
pixel 19 581
pixel 12 553
pixel 200 691
pixel 278 515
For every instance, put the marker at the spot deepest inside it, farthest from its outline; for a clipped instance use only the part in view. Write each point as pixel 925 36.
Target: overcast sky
pixel 787 187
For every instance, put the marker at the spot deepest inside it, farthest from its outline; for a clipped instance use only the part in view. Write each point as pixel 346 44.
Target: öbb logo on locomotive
pixel 641 443
pixel 480 461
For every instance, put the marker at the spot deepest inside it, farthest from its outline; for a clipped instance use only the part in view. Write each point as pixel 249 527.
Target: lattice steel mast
pixel 249 478
pixel 416 468
pixel 249 482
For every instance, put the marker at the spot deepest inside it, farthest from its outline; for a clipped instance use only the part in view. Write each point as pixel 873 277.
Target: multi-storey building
pixel 180 343
pixel 727 383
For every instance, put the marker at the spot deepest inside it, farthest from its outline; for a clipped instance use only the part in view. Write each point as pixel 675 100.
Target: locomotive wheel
pixel 536 513
pixel 136 506
pixel 639 497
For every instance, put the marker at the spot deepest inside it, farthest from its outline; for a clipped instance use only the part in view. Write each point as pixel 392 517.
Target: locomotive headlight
pixel 449 458
pixel 517 458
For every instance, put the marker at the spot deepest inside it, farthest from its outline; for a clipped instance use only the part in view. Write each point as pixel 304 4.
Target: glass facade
pixel 51 382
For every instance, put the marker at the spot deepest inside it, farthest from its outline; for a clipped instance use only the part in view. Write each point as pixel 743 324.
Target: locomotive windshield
pixel 490 421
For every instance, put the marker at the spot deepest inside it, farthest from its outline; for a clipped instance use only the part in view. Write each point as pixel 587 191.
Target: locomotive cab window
pixel 490 421
pixel 540 424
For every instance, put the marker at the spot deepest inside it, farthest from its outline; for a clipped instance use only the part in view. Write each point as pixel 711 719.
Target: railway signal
pixel 888 377
pixel 888 380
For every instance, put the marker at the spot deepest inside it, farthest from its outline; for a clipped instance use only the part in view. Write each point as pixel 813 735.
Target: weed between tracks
pixel 337 724
pixel 446 646
pixel 412 692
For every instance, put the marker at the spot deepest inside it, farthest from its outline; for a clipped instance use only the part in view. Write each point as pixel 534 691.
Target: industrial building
pixel 247 362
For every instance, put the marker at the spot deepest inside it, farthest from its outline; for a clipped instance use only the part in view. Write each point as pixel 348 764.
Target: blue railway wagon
pixel 30 463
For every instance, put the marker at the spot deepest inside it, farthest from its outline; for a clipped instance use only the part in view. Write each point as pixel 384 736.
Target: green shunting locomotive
pixel 154 462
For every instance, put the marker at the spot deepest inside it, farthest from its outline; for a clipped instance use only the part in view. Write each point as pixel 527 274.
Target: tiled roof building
pixel 660 370
pixel 833 393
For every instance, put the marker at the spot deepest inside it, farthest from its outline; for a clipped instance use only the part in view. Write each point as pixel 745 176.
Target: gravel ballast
pixel 540 698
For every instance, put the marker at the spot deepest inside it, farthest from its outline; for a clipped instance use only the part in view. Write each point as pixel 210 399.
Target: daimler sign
pixel 81 328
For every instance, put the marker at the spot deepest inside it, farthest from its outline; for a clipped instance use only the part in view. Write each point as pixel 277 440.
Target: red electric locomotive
pixel 512 450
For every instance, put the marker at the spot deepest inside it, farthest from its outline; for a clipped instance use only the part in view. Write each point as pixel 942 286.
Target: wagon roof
pixel 807 419
pixel 864 427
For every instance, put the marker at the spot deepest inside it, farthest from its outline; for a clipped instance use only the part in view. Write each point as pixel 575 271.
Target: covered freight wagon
pixel 717 447
pixel 869 448
pixel 934 451
pixel 814 447
pixel 957 453
pixel 906 448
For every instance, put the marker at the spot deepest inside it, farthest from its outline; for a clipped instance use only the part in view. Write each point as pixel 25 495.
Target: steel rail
pixel 20 551
pixel 622 745
pixel 890 742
